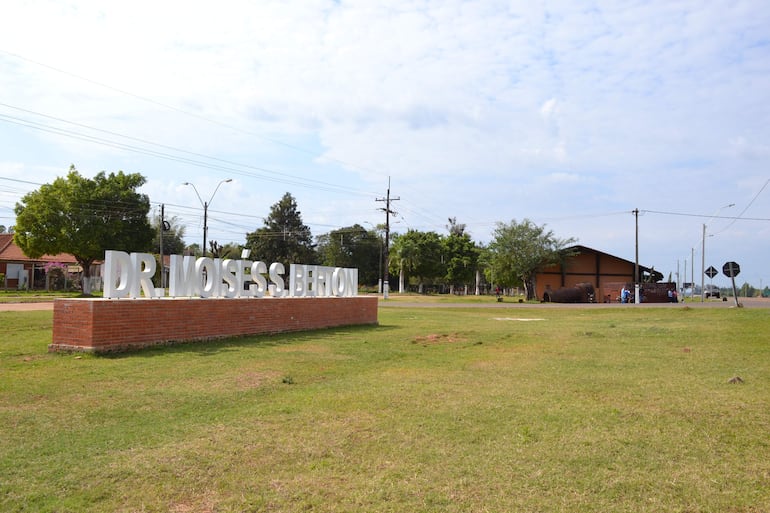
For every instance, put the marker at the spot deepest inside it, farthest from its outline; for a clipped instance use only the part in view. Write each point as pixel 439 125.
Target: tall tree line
pixel 84 217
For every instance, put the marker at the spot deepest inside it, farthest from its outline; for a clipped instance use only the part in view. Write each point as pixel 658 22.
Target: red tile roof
pixel 10 252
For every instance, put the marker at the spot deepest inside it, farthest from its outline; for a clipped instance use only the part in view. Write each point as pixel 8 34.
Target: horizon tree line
pixel 83 217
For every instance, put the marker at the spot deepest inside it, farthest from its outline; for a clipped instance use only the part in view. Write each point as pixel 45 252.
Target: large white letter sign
pixel 130 275
pixel 207 270
pixel 144 269
pixel 297 280
pixel 118 274
pixel 259 287
pixel 344 282
pixel 276 281
pixel 230 276
pixel 320 280
pixel 183 281
pixel 243 277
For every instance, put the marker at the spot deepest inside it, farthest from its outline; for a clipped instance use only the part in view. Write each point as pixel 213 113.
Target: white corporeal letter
pixel 259 287
pixel 297 280
pixel 144 269
pixel 183 280
pixel 207 271
pixel 118 274
pixel 276 280
pixel 233 286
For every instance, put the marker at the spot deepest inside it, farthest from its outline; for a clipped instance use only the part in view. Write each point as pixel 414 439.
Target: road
pixel 752 302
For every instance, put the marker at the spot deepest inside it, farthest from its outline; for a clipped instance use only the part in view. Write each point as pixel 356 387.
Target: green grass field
pixel 436 409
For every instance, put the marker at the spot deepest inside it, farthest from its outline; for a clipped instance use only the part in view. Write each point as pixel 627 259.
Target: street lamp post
pixel 703 254
pixel 205 205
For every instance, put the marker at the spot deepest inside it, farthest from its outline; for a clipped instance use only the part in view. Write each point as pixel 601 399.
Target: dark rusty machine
pixel 579 293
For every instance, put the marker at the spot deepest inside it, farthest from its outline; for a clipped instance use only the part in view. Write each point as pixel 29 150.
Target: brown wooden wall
pixel 587 267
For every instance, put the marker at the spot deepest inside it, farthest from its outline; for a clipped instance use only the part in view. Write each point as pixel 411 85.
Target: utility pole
pixel 684 295
pixel 703 266
pixel 637 299
pixel 387 199
pixel 162 228
pixel 692 273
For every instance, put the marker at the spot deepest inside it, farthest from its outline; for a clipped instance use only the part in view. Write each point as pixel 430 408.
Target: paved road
pixel 746 302
pixel 25 307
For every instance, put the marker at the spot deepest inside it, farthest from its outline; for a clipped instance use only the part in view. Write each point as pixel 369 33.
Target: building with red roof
pixel 20 271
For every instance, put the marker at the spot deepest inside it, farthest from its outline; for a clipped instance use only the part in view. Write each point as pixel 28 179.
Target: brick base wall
pixel 105 325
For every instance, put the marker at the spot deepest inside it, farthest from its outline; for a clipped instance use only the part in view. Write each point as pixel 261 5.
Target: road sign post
pixel 731 270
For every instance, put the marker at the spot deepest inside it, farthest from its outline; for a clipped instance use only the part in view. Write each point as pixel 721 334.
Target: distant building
pixel 607 273
pixel 22 272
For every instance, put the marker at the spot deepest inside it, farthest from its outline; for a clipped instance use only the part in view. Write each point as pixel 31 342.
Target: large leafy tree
pixel 460 256
pixel 352 246
pixel 519 250
pixel 284 238
pixel 418 257
pixel 84 217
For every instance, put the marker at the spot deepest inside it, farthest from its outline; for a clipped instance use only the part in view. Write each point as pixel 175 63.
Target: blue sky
pixel 571 114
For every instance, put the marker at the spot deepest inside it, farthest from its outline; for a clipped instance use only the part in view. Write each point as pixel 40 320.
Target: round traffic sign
pixel 731 269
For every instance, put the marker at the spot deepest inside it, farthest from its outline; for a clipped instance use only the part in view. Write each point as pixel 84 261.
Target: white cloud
pixel 482 110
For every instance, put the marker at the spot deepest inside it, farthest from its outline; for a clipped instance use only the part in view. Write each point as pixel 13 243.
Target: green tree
pixel 352 246
pixel 403 254
pixel 229 250
pixel 84 217
pixel 193 249
pixel 284 237
pixel 418 257
pixel 460 256
pixel 747 290
pixel 519 250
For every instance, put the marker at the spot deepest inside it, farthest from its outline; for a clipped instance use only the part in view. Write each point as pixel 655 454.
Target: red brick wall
pixel 101 325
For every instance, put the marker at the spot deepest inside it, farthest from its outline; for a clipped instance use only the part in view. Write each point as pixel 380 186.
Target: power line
pixel 734 218
pixel 224 166
pixel 20 181
pixel 740 216
pixel 182 111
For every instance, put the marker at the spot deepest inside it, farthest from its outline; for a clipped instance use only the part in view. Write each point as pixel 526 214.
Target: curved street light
pixel 205 205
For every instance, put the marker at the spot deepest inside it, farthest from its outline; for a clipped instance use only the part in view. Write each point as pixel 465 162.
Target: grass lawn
pixel 442 410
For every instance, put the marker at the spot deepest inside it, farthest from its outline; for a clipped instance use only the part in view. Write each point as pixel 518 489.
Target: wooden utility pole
pixel 387 199
pixel 161 229
pixel 636 261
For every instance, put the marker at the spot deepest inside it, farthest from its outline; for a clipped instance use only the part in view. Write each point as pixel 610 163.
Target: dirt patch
pixel 519 319
pixel 435 338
